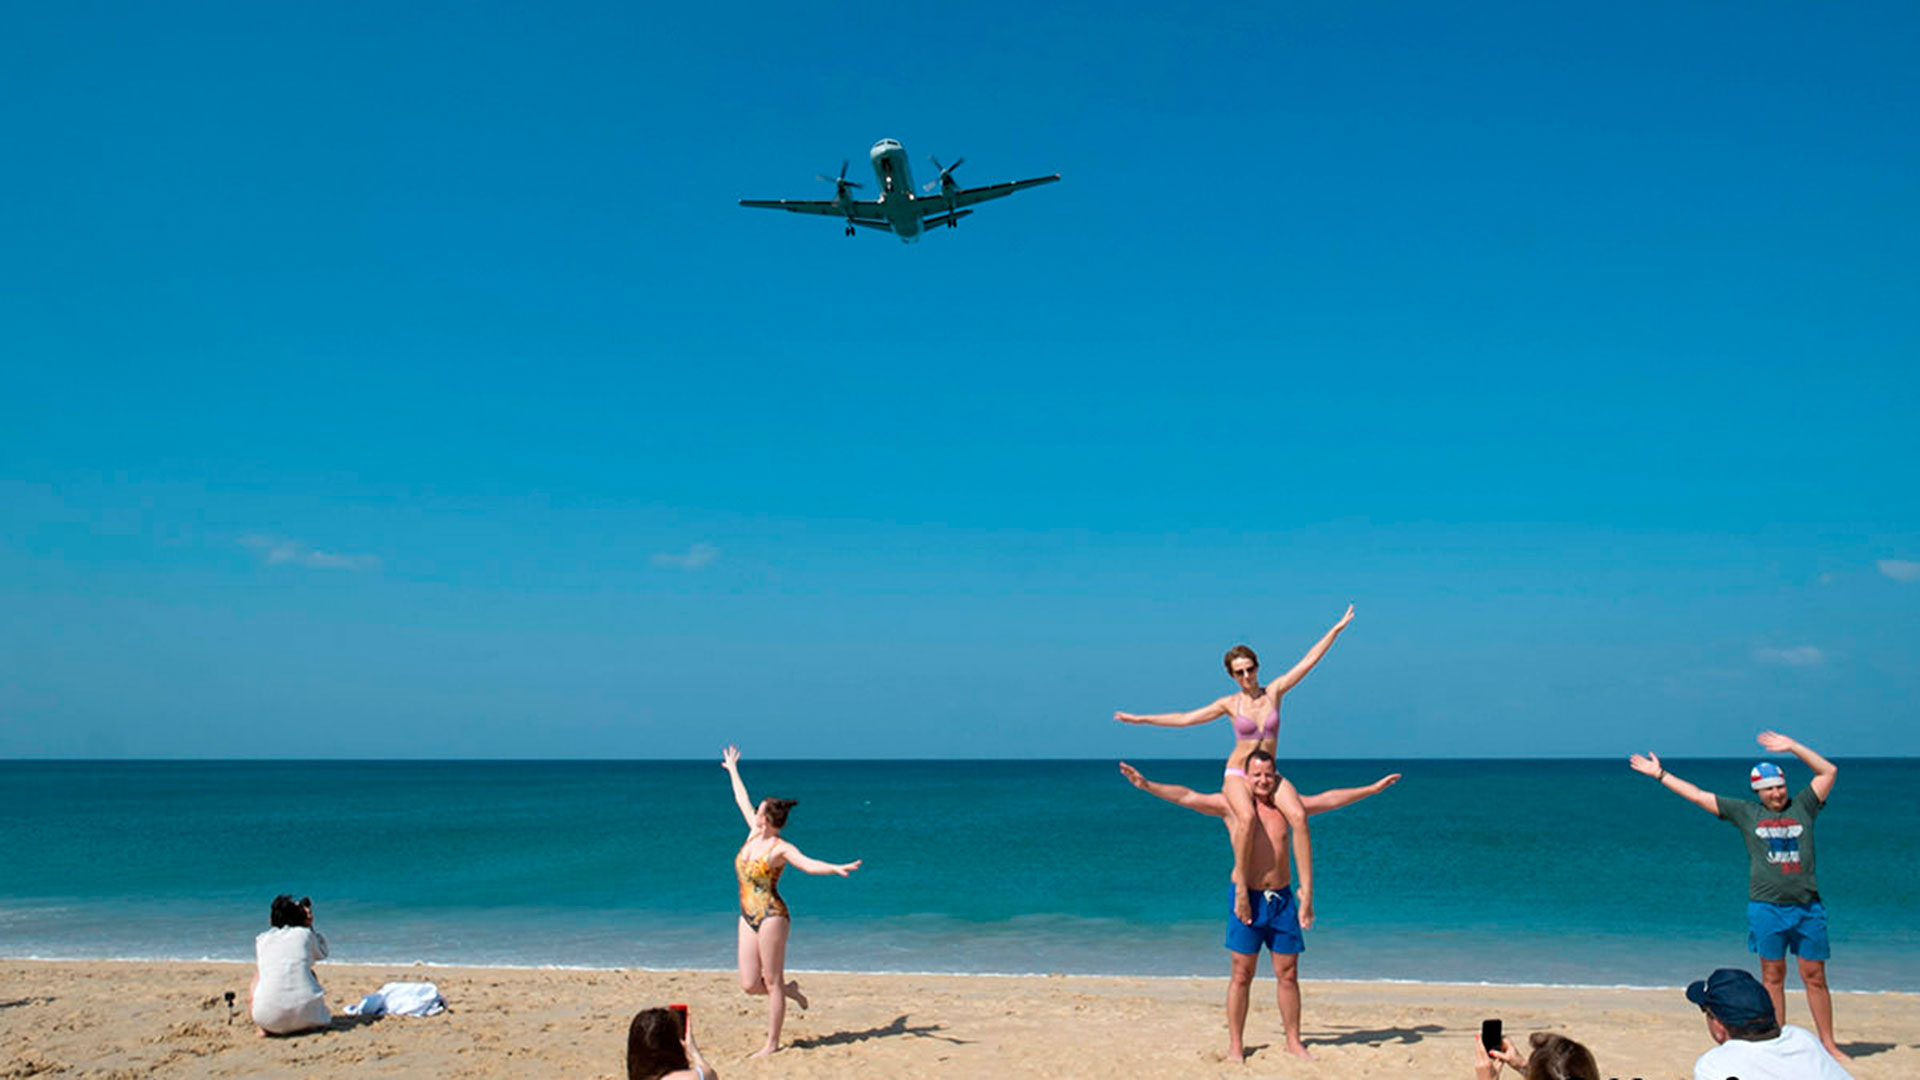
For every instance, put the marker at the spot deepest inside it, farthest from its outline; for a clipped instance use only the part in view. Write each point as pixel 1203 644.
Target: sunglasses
pixel 1239 671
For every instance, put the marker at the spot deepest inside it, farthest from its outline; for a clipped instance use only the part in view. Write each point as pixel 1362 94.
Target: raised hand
pixel 847 868
pixel 1345 619
pixel 1647 764
pixel 1384 782
pixel 1127 717
pixel 1775 742
pixel 1133 776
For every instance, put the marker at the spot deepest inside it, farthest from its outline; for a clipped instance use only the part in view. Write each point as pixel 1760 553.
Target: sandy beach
pixel 117 1019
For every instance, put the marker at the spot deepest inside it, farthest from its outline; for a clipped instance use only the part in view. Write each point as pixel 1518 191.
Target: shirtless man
pixel 1277 921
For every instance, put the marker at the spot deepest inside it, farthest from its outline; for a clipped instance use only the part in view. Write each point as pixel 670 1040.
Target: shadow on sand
pixel 893 1030
pixel 1376 1037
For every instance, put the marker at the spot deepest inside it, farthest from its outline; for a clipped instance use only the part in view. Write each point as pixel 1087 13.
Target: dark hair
pixel 1236 653
pixel 777 810
pixel 1756 1031
pixel 289 912
pixel 1556 1057
pixel 653 1044
pixel 1260 754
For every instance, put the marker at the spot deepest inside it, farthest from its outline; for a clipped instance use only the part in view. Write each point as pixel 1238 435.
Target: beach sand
pixel 114 1019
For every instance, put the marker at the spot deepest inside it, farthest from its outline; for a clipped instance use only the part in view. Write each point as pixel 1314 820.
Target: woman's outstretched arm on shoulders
pixel 1299 671
pixel 730 761
pixel 1176 719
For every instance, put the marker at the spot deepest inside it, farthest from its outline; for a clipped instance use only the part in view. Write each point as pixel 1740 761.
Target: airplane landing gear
pixel 953 223
pixel 849 230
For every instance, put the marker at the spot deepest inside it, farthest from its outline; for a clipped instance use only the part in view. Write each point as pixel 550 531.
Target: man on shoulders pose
pixel 1277 920
pixel 1783 910
pixel 1750 1043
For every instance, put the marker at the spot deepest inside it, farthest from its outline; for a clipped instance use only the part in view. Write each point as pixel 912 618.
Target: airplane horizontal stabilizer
pixel 934 222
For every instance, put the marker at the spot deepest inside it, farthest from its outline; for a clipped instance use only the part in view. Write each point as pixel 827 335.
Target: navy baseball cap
pixel 1733 997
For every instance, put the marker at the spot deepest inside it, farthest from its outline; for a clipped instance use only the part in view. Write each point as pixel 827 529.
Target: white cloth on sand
pixel 286 997
pixel 401 999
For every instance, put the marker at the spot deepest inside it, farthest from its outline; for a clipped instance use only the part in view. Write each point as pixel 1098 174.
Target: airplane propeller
pixel 840 183
pixel 946 174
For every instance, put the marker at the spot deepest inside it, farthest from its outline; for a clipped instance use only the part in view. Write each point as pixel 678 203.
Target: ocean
pixel 1505 871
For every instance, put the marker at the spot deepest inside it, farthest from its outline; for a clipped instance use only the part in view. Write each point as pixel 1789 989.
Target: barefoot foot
pixel 765 1051
pixel 794 995
pixel 1298 1049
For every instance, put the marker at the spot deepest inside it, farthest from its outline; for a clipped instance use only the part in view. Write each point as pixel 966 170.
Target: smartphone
pixel 1491 1037
pixel 681 1011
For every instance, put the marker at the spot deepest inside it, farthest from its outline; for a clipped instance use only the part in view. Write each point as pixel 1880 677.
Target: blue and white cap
pixel 1766 775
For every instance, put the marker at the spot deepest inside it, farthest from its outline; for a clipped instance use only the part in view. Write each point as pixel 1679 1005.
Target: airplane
pixel 898 210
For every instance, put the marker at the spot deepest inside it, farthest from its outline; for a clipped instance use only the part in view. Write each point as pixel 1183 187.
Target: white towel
pixel 401 999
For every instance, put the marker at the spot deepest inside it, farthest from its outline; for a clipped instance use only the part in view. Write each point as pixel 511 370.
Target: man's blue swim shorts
pixel 1276 924
pixel 1772 929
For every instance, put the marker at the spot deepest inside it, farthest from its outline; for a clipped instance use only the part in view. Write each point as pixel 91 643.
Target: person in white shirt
pixel 286 997
pixel 1752 1044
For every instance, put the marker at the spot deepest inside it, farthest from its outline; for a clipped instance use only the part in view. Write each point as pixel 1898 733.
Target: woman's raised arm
pixel 1299 671
pixel 730 761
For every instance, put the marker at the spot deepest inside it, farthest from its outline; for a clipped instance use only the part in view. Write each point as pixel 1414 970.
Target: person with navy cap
pixel 1784 912
pixel 1750 1043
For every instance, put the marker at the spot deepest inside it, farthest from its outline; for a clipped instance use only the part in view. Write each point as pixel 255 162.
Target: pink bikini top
pixel 1246 727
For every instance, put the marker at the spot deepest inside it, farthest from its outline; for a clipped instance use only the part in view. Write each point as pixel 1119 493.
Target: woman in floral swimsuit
pixel 764 919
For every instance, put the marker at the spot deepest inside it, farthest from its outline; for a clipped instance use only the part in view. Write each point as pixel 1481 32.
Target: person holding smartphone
pixel 1554 1057
pixel 287 999
pixel 660 1046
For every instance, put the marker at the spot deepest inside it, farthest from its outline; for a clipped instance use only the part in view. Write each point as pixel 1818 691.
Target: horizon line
pixel 28 759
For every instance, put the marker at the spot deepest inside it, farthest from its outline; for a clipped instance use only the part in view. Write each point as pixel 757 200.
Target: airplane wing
pixel 969 196
pixel 860 212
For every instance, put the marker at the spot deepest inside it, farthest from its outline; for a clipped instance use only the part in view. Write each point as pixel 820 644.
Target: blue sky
pixel 406 382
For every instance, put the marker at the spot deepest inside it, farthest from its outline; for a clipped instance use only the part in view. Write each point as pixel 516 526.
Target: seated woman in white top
pixel 286 996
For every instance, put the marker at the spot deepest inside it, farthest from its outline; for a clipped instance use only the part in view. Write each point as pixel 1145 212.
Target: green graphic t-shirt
pixel 1779 847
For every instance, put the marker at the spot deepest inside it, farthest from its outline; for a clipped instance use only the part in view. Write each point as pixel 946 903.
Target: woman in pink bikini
pixel 1256 725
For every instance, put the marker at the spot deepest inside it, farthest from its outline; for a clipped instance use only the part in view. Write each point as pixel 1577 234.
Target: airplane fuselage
pixel 895 177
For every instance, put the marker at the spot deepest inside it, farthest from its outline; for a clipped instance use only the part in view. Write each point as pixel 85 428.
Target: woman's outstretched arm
pixel 799 860
pixel 1176 719
pixel 730 761
pixel 1299 671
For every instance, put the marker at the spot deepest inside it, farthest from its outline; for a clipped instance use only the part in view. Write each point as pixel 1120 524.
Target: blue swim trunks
pixel 1276 924
pixel 1772 929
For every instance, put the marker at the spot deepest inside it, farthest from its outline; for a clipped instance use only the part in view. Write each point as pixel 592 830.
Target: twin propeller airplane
pixel 898 210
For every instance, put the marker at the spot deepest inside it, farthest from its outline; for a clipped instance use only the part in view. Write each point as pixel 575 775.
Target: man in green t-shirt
pixel 1783 899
